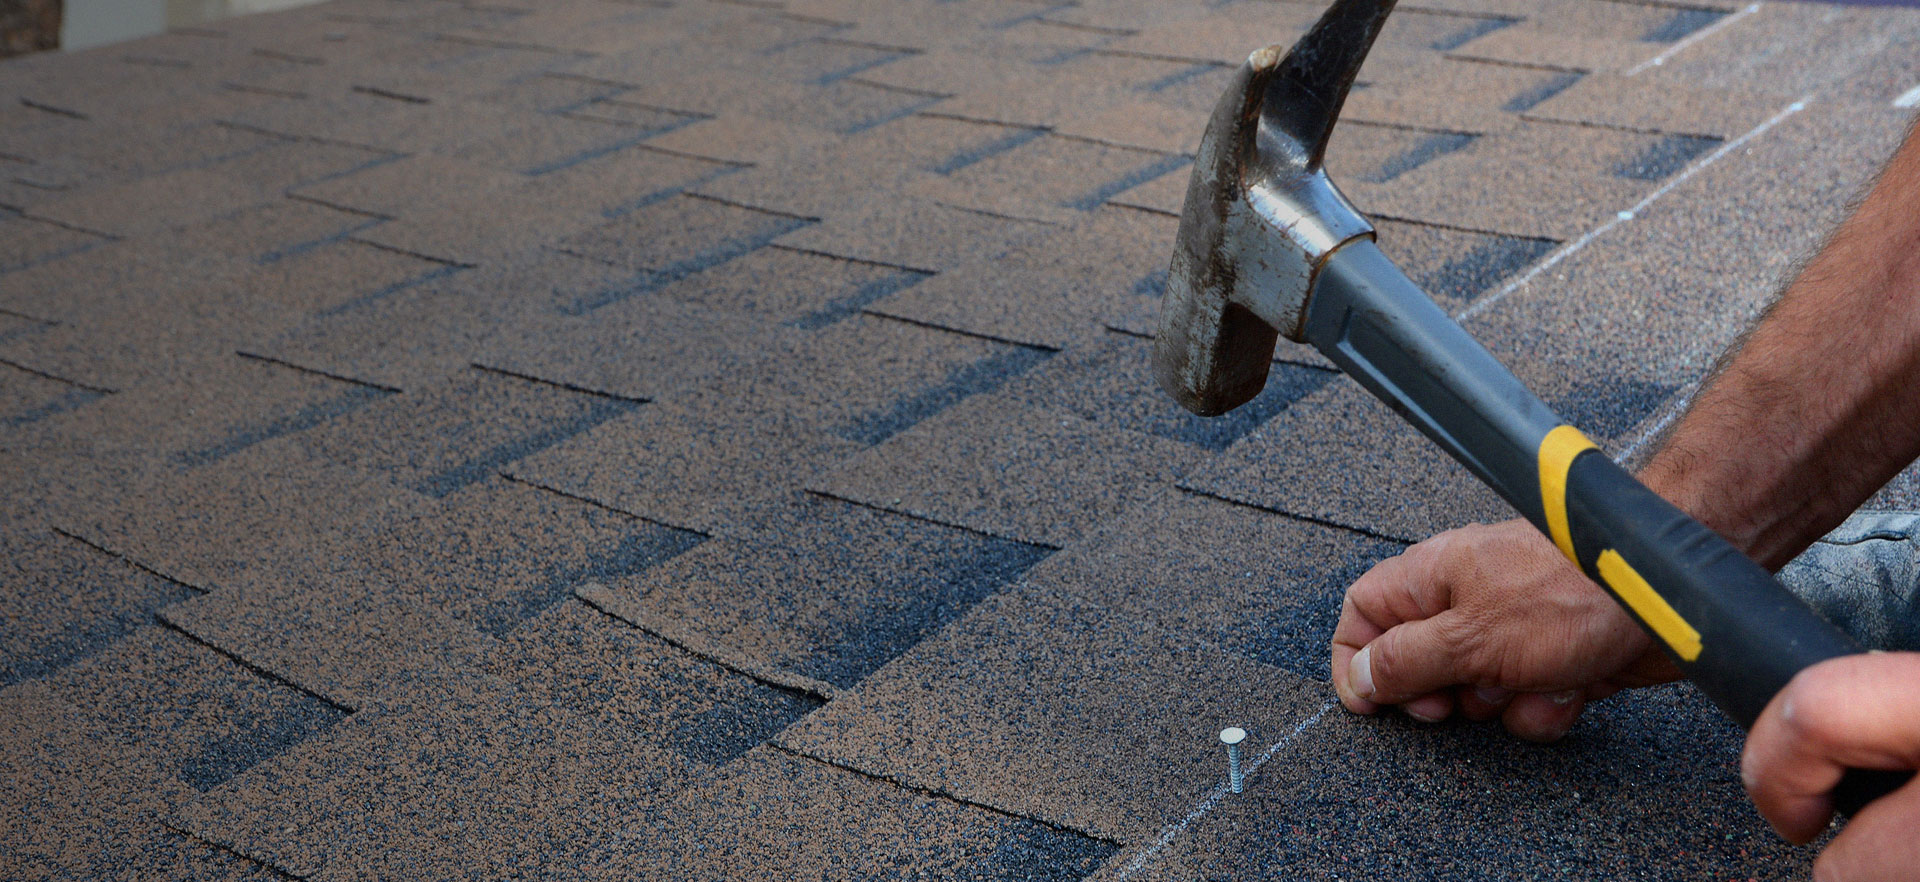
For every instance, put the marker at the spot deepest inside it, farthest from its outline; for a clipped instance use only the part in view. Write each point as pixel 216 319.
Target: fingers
pixel 1354 631
pixel 1409 661
pixel 1480 703
pixel 1430 708
pixel 1543 716
pixel 1877 843
pixel 1437 628
pixel 1398 592
pixel 1858 711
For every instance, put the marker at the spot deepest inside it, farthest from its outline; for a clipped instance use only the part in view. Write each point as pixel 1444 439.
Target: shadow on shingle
pixel 305 418
pixel 1428 149
pixel 26 242
pixel 854 66
pixel 1610 407
pixel 1112 383
pixel 648 545
pixel 48 628
pixel 614 244
pixel 1293 632
pixel 297 248
pixel 1531 98
pixel 66 400
pixel 478 467
pixel 594 152
pixel 260 739
pixel 439 272
pixel 970 155
pixel 962 569
pixel 985 375
pixel 897 279
pixel 749 715
pixel 1150 171
pixel 1683 22
pixel 1180 77
pixel 850 107
pixel 1665 157
pixel 648 119
pixel 1034 852
pixel 1478 28
pixel 1466 277
pixel 1286 384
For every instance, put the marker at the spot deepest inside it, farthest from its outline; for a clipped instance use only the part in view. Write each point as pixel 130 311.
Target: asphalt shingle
pixel 615 440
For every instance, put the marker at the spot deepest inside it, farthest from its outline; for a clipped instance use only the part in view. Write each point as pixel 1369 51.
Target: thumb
pixel 1410 660
pixel 1855 711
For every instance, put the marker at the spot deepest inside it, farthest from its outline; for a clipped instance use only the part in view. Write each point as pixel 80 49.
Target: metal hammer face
pixel 1261 217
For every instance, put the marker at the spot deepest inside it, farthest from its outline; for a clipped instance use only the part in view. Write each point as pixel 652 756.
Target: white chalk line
pixel 1569 249
pixel 1909 99
pixel 1693 38
pixel 1673 410
pixel 1172 831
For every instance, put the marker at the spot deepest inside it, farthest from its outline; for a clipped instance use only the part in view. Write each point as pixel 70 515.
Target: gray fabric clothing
pixel 1865 577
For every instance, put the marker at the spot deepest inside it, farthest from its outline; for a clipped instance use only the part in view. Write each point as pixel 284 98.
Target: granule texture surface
pixel 717 439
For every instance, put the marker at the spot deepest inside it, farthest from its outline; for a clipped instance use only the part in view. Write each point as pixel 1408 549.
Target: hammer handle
pixel 1733 629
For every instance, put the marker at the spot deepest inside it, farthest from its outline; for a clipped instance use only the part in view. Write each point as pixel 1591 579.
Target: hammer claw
pixel 1261 217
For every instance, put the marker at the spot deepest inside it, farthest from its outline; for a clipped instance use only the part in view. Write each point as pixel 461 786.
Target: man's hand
pixel 1495 621
pixel 1858 711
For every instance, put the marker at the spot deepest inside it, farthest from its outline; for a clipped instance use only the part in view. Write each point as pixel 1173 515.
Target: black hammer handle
pixel 1730 626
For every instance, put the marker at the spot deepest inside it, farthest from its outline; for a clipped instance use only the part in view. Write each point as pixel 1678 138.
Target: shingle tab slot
pixel 861 297
pixel 305 418
pixel 1489 263
pixel 1666 157
pixel 1683 22
pixel 1531 98
pixel 1478 28
pixel 260 739
pixel 648 545
pixel 1611 407
pixel 985 375
pixel 1431 147
pixel 1154 169
pixel 486 463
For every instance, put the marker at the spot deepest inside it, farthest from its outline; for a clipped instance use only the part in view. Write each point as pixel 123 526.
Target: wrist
pixel 1720 493
pixel 1679 477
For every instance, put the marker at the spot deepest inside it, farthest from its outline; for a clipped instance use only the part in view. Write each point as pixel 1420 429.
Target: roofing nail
pixel 1231 737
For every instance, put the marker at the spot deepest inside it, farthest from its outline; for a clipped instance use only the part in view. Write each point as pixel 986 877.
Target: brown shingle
pixel 1051 290
pixel 695 467
pixel 1094 721
pixel 824 591
pixel 785 816
pixel 1032 474
pixel 485 778
pixel 176 199
pixel 916 234
pixel 1647 105
pixel 1546 48
pixel 885 276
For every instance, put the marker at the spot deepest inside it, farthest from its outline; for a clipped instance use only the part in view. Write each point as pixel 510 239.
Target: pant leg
pixel 1865 577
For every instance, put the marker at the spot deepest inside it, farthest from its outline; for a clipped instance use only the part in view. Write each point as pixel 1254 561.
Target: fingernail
pixel 1492 694
pixel 1420 716
pixel 1360 672
pixel 1563 698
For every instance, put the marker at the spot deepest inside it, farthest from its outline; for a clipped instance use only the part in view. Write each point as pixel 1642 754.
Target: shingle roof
pixel 714 439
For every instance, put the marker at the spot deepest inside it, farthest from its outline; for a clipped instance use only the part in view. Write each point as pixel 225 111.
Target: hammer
pixel 1268 246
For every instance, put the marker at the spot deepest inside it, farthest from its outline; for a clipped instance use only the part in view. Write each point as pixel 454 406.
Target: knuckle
pixel 1384 661
pixel 1807 708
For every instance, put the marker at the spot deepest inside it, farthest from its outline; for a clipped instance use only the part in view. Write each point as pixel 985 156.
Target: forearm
pixel 1820 404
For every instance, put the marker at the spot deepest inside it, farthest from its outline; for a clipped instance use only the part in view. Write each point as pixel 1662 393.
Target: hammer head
pixel 1261 217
